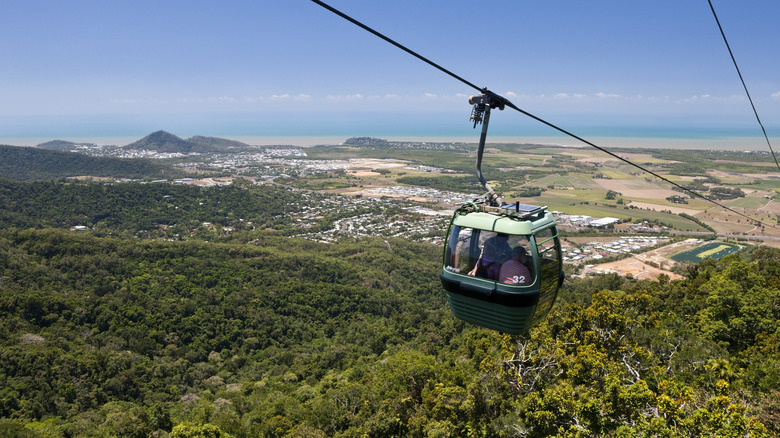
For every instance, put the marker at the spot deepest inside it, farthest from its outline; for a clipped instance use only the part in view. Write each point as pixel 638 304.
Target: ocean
pixel 310 128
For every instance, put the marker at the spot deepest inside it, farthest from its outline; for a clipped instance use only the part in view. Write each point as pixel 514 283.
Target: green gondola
pixel 502 262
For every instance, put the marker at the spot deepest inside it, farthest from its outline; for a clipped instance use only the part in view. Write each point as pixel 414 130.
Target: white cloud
pixel 601 95
pixel 123 101
pixel 357 96
pixel 431 96
pixel 287 96
pixel 209 99
pixel 776 95
pixel 710 98
pixel 567 96
pixel 513 95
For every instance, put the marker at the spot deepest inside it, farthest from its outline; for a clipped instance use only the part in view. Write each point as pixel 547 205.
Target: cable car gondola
pixel 502 262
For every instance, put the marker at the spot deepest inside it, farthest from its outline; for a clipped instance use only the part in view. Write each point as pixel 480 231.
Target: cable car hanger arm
pixel 481 114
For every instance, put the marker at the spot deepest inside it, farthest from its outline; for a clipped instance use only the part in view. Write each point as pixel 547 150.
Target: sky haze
pixel 291 68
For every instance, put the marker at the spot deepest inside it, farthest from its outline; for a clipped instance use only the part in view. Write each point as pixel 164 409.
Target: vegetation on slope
pixel 165 142
pixel 272 336
pixel 283 337
pixel 148 209
pixel 33 164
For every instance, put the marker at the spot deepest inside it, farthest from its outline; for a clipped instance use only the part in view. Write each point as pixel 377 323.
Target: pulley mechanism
pixel 483 102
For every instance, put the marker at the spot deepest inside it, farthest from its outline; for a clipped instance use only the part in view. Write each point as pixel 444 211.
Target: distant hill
pixel 365 141
pixel 216 142
pixel 62 145
pixel 162 141
pixel 31 164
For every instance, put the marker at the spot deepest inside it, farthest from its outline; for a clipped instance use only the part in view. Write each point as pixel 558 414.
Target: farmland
pixel 578 181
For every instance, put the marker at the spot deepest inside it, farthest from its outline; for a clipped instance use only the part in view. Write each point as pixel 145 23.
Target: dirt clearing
pixel 648 265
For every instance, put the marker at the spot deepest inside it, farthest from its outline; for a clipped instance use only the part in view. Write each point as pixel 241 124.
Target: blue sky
pixel 82 69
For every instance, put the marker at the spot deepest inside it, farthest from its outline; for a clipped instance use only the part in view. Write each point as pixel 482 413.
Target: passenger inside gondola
pixel 495 250
pixel 514 270
pixel 483 254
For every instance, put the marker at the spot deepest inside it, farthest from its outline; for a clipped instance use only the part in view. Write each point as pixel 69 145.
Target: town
pixel 373 187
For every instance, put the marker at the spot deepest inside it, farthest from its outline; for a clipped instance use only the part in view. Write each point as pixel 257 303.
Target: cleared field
pixel 712 250
pixel 582 181
pixel 651 191
pixel 640 184
pixel 633 267
pixel 770 185
pixel 579 192
pixel 574 206
pixel 643 158
pixel 772 207
pixel 659 207
pixel 693 206
pixel 580 195
pixel 548 151
pixel 520 160
pixel 554 180
pixel 614 174
pixel 749 202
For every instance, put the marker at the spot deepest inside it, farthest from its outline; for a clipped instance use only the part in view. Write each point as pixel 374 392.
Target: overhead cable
pixel 539 119
pixel 723 34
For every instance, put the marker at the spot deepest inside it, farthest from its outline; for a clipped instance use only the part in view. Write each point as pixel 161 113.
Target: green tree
pixel 189 430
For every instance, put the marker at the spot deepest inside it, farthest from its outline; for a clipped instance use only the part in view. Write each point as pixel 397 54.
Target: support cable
pixel 506 102
pixel 723 34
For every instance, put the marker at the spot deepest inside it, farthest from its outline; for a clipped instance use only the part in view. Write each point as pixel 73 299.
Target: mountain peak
pixel 162 141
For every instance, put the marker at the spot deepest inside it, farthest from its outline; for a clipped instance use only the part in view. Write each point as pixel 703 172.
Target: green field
pixel 582 181
pixel 614 174
pixel 748 202
pixel 574 205
pixel 712 250
pixel 509 168
pixel 555 180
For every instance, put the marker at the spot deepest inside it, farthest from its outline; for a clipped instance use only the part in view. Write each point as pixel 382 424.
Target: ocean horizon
pixel 310 129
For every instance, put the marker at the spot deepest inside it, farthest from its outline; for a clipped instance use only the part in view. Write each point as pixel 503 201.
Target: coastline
pixel 724 143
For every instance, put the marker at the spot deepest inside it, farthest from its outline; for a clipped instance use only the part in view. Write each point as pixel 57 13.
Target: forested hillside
pixel 33 164
pixel 151 323
pixel 166 142
pixel 282 337
pixel 146 210
pixel 179 212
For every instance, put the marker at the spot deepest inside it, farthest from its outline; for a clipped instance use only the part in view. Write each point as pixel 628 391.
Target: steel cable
pixel 539 119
